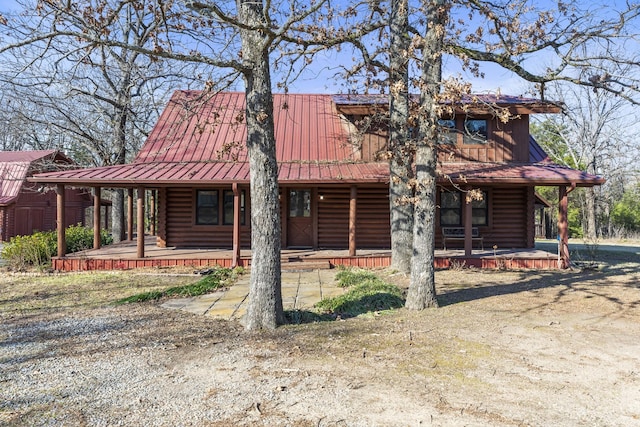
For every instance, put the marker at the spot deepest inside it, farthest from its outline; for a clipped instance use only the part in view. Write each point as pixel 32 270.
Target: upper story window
pixel 448 133
pixel 475 131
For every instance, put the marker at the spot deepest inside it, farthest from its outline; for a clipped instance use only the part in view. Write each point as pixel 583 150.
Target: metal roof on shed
pixel 16 166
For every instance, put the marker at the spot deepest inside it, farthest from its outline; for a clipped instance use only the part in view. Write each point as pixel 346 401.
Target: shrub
pixel 36 250
pixel 80 238
pixel 27 251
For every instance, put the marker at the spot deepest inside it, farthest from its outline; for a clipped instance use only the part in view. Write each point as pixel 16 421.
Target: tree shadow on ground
pixel 563 281
pixel 377 302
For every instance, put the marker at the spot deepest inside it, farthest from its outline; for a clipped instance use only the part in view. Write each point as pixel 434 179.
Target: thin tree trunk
pixel 590 232
pixel 117 215
pixel 401 154
pixel 264 310
pixel 119 138
pixel 422 289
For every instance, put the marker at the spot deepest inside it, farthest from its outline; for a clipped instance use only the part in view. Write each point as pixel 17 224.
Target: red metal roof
pixel 204 128
pixel 200 140
pixel 15 166
pixel 222 172
pixel 545 173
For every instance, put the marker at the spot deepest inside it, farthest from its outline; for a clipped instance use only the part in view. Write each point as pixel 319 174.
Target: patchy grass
pixel 348 277
pixel 31 293
pixel 367 293
pixel 216 279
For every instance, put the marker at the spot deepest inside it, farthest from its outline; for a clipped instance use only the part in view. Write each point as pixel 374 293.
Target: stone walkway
pixel 300 291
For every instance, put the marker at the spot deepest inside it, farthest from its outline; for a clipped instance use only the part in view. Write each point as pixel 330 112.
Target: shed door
pixel 29 220
pixel 299 219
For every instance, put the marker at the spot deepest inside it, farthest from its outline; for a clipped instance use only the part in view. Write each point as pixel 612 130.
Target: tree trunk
pixel 401 154
pixel 264 309
pixel 590 232
pixel 119 141
pixel 117 215
pixel 422 289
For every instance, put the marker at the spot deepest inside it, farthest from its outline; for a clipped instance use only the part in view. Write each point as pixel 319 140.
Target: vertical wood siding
pixel 36 211
pixel 506 142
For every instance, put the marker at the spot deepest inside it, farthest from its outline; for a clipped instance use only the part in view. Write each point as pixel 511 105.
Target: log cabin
pixel 334 186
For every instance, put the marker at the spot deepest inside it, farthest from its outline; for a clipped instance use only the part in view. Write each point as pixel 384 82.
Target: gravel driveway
pixel 505 349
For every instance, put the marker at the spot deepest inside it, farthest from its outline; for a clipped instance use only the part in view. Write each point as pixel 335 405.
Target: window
pixel 479 211
pixel 207 207
pixel 227 206
pixel 475 131
pixel 450 208
pixel 448 133
pixel 299 203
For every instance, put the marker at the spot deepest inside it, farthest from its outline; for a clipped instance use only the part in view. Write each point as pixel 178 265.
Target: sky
pixel 320 75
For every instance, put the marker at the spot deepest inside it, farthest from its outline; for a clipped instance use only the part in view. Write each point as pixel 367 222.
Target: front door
pixel 299 219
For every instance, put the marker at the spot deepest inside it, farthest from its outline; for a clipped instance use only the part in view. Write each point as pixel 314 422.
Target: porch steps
pixel 298 264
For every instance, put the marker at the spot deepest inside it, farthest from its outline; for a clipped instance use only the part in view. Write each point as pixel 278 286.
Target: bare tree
pixel 237 37
pixel 587 47
pixel 102 98
pixel 595 133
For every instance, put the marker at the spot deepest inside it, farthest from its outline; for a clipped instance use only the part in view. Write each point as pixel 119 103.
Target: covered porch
pixel 124 255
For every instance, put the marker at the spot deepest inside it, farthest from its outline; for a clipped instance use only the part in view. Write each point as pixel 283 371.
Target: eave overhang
pixel 532 174
pixel 165 174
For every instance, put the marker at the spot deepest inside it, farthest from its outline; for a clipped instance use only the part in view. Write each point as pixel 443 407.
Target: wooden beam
pixel 61 220
pixel 564 260
pixel 236 225
pixel 130 214
pixel 140 239
pixel 353 203
pixel 468 225
pixel 96 217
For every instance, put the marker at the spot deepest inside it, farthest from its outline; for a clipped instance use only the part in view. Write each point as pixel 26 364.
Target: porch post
pixel 140 239
pixel 563 227
pixel 353 203
pixel 236 225
pixel 61 221
pixel 96 217
pixel 130 214
pixel 468 226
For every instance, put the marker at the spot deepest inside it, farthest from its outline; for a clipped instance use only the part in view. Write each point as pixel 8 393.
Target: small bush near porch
pixel 36 250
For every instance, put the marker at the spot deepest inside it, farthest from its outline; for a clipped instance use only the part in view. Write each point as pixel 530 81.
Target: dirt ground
pixel 523 348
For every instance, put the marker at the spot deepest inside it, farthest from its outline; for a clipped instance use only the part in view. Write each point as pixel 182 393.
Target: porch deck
pixel 122 256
